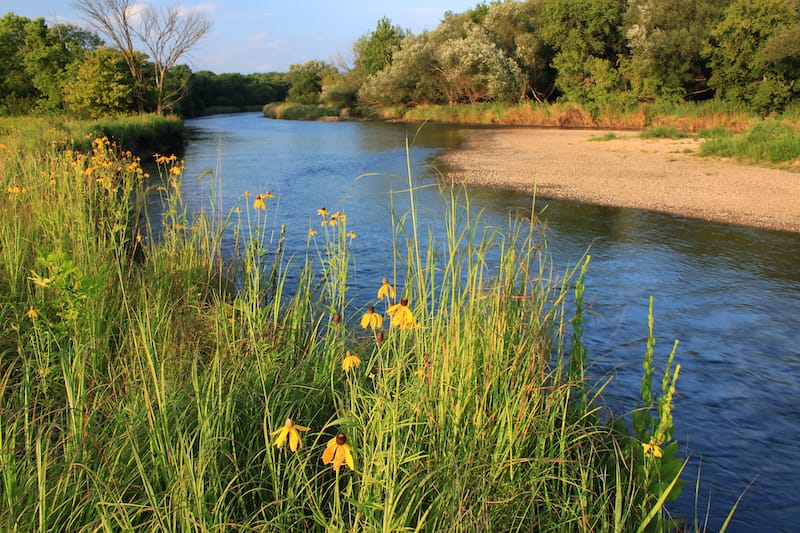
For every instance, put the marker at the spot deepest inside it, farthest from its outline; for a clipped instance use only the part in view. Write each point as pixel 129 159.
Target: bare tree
pixel 167 35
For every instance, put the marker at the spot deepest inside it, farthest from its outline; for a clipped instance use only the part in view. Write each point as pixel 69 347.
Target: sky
pixel 249 36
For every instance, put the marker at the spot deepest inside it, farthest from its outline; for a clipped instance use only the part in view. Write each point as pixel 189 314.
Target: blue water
pixel 729 294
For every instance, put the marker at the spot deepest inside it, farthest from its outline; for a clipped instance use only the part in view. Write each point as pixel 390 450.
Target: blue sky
pixel 250 36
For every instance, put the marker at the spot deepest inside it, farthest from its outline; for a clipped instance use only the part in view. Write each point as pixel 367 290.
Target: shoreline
pixel 663 175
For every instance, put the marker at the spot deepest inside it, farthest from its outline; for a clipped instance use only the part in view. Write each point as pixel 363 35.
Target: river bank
pixel 664 175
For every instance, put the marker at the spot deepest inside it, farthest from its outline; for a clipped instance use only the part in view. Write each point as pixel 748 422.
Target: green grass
pixel 141 387
pixel 767 141
pixel 663 132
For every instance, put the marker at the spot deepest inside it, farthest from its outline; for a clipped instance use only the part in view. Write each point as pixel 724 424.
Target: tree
pixel 17 91
pixel 585 36
pixel 374 53
pixel 412 78
pixel 474 69
pixel 754 55
pixel 515 27
pixel 308 79
pixel 167 35
pixel 101 84
pixel 666 40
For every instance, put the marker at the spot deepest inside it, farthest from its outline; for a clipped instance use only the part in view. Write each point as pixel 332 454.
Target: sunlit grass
pixel 146 378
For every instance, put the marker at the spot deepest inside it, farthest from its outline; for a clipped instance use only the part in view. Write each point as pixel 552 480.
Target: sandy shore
pixel 661 174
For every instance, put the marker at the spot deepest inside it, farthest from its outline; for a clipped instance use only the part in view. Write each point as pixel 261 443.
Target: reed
pixel 149 383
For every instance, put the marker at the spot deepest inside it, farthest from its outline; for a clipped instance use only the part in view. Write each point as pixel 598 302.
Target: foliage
pixel 753 53
pixel 307 80
pixel 374 52
pixel 585 35
pixel 101 85
pixel 666 40
pixel 238 91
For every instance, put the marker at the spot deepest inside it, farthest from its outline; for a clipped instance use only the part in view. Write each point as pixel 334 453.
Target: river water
pixel 729 294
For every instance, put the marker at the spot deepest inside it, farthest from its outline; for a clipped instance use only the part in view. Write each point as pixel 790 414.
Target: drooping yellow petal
pixel 386 290
pixel 281 436
pixel 327 455
pixel 294 440
pixel 348 456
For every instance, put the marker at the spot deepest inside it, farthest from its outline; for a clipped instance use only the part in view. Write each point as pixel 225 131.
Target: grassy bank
pixel 149 385
pixel 141 134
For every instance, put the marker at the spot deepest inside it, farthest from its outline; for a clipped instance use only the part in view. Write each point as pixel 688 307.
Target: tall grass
pixel 144 380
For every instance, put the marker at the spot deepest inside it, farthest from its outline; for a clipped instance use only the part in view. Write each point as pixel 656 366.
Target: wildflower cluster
pixel 399 313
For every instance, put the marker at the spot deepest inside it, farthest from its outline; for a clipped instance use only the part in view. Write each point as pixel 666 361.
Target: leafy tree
pixel 17 90
pixel 666 40
pixel 374 53
pixel 585 36
pixel 754 55
pixel 412 79
pixel 100 85
pixel 308 79
pixel 45 59
pixel 474 69
pixel 515 27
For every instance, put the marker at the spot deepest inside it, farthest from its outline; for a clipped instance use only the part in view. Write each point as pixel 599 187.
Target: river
pixel 729 294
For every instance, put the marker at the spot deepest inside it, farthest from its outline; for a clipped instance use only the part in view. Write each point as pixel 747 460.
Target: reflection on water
pixel 730 295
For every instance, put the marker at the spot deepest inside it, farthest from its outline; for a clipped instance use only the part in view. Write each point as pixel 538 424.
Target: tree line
pixel 593 52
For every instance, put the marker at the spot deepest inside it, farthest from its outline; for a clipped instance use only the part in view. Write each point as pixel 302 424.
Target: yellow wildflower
pixel 351 235
pixel 386 290
pixel 32 313
pixel 268 195
pixel 401 315
pixel 338 452
pixel 651 449
pixel 290 431
pixel 247 194
pixel 176 170
pixel 371 319
pixel 259 203
pixel 322 211
pixel 312 232
pixel 350 361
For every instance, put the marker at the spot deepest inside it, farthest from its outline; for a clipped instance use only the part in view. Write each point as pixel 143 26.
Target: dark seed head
pixel 337 317
pixel 371 309
pixel 404 301
pixel 340 439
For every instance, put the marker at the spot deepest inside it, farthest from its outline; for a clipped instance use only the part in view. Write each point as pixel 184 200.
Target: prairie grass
pixel 145 379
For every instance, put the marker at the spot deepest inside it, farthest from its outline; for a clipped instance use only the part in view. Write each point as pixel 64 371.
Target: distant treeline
pixel 596 53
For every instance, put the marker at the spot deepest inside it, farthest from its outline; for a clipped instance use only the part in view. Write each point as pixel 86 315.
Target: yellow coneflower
pixel 312 232
pixel 338 452
pixel 32 313
pixel 386 290
pixel 401 315
pixel 258 203
pixel 350 361
pixel 351 235
pixel 371 319
pixel 651 449
pixel 291 432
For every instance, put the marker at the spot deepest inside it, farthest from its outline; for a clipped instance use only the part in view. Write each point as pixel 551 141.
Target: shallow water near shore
pixel 729 294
